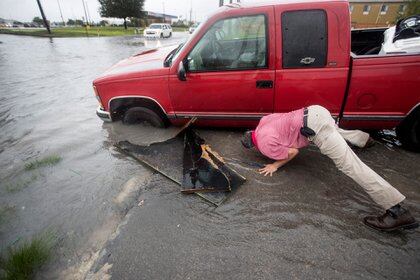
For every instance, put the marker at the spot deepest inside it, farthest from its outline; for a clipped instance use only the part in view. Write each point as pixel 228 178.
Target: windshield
pixel 178 50
pixel 155 26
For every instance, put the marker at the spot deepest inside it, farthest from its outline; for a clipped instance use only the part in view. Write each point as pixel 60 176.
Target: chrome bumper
pixel 103 115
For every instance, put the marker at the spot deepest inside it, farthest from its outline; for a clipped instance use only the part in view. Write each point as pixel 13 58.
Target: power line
pixel 59 8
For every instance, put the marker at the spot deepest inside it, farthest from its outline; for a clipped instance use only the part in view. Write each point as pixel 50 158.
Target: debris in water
pixel 167 157
pixel 204 171
pixel 388 137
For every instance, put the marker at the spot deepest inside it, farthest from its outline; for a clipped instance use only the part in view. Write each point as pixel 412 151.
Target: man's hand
pixel 271 168
pixel 268 169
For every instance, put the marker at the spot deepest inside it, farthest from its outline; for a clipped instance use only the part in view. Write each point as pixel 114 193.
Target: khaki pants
pixel 331 141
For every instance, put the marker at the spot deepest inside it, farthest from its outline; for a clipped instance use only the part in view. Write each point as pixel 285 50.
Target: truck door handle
pixel 307 60
pixel 265 84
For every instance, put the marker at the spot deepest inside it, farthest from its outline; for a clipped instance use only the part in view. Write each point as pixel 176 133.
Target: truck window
pixel 304 36
pixel 231 44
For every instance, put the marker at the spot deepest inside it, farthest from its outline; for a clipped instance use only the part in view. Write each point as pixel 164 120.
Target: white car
pixel 158 30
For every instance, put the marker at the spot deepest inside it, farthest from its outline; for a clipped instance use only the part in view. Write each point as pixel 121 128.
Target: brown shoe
pixel 370 142
pixel 393 219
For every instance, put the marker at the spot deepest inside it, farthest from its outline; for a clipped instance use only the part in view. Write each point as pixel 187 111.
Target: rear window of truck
pixel 304 36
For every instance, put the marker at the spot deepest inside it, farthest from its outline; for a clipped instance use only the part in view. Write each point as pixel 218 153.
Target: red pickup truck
pixel 244 62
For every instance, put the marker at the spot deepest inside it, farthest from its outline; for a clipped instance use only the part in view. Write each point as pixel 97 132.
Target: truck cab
pixel 245 62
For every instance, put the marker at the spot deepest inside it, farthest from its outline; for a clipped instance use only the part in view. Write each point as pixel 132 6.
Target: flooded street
pixel 112 216
pixel 47 107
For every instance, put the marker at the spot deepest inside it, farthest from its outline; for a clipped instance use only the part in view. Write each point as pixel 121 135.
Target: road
pixel 302 223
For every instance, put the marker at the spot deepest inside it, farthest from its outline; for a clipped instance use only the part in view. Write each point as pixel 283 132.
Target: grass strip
pixel 46 161
pixel 23 261
pixel 93 31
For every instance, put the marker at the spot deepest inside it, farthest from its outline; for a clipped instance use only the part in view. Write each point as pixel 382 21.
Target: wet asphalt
pixel 302 223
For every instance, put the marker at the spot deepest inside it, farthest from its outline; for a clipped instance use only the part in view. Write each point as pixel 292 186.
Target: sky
pixel 26 10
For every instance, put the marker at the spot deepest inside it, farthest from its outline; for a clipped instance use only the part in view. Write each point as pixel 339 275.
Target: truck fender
pixel 120 104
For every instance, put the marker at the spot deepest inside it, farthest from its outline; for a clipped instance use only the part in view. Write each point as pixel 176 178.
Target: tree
pixel 103 23
pixel 413 8
pixel 38 20
pixel 71 22
pixel 121 9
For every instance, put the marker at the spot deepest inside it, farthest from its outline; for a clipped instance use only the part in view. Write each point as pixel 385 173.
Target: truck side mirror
pixel 182 73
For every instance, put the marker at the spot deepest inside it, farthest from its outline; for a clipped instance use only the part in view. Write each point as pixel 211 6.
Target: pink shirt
pixel 276 133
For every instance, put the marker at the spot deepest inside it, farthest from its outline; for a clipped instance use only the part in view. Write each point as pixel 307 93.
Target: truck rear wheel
pixel 408 132
pixel 137 115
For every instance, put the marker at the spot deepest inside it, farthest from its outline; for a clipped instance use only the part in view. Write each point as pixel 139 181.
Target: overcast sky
pixel 26 10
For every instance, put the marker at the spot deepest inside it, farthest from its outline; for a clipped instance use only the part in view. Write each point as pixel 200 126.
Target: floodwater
pixel 303 223
pixel 47 107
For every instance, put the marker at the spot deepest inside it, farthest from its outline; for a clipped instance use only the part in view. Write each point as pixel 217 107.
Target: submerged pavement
pixel 303 223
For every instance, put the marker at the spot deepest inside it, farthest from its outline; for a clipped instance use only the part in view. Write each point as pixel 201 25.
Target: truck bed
pixel 367 41
pixel 383 89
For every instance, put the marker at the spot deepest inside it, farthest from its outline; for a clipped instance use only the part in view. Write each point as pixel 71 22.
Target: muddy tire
pixel 408 132
pixel 170 34
pixel 161 35
pixel 138 115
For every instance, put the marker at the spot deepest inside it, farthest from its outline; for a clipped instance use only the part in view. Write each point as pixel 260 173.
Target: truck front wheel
pixel 137 115
pixel 408 132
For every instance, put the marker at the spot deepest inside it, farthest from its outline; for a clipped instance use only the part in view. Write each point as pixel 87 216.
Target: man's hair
pixel 247 140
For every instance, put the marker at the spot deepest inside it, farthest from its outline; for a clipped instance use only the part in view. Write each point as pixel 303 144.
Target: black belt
pixel 305 130
pixel 305 117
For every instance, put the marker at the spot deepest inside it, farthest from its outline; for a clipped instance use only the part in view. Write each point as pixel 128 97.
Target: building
pixel 152 17
pixel 375 13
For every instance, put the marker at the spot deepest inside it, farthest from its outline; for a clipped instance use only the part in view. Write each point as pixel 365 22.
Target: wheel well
pixel 118 106
pixel 412 113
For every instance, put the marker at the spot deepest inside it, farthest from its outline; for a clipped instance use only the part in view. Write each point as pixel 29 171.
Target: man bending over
pixel 280 136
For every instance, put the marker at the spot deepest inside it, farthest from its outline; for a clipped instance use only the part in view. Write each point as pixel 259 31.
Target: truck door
pixel 230 74
pixel 313 51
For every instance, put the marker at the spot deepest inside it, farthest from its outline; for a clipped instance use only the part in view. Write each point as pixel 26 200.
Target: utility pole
pixel 88 14
pixel 163 6
pixel 86 27
pixel 191 12
pixel 43 17
pixel 59 7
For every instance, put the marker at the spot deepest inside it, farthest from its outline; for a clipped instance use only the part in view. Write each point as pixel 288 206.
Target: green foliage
pixel 46 161
pixel 72 31
pixel 38 20
pixel 22 261
pixel 103 23
pixel 413 8
pixel 121 9
pixel 12 188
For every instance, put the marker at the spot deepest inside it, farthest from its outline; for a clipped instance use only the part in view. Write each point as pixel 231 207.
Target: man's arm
pixel 271 168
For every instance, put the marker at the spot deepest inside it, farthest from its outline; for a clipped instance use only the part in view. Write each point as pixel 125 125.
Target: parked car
pixel 158 30
pixel 193 27
pixel 245 62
